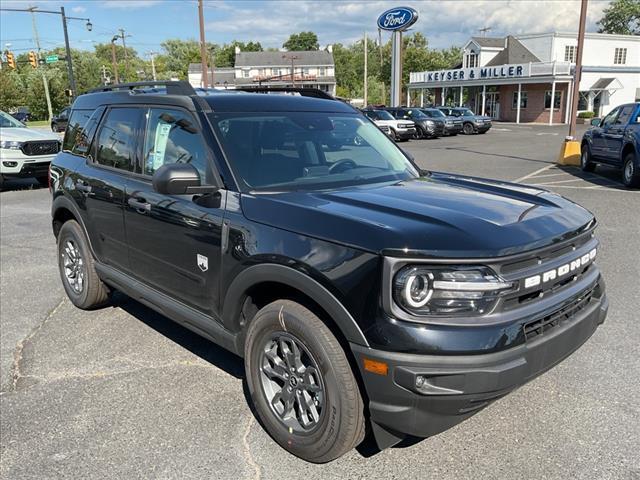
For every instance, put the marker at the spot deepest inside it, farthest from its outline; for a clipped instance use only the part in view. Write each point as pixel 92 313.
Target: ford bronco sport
pixel 364 294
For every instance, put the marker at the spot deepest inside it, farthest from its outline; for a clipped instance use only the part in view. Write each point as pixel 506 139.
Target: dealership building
pixel 529 78
pixel 314 69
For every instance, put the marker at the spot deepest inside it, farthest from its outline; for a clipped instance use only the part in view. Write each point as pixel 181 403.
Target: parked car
pixel 59 121
pixel 426 127
pixel 471 123
pixel 24 152
pixel 615 140
pixel 399 130
pixel 452 125
pixel 341 277
pixel 23 114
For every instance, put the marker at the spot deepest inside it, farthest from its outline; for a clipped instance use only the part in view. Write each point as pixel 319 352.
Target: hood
pixel 26 134
pixel 440 215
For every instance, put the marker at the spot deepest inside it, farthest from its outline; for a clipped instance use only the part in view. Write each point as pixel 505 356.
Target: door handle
pixel 139 205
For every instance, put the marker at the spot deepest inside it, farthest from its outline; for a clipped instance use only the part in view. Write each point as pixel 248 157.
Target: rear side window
pixel 173 136
pixel 625 114
pixel 117 139
pixel 74 137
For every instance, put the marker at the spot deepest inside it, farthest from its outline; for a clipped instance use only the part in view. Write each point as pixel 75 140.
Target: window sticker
pixel 156 159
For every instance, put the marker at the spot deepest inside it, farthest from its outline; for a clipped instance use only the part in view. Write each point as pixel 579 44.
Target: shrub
pixel 586 115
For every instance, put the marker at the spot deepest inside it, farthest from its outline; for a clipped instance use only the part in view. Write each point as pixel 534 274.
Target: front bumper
pixel 482 127
pixel 450 129
pixel 455 387
pixel 15 164
pixel 405 133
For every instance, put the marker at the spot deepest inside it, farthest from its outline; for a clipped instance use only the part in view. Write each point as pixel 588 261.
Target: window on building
pixel 245 73
pixel 173 137
pixel 471 60
pixel 117 139
pixel 570 53
pixel 322 72
pixel 620 56
pixel 276 72
pixel 305 71
pixel 261 72
pixel 556 100
pixel 523 100
pixel 583 101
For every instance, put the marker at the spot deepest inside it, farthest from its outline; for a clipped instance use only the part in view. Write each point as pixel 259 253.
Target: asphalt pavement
pixel 123 392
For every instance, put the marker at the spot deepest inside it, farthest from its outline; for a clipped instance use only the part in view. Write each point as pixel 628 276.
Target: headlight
pixel 11 144
pixel 429 122
pixel 447 291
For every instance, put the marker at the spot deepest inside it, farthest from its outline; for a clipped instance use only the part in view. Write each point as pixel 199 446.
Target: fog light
pixel 419 381
pixel 10 164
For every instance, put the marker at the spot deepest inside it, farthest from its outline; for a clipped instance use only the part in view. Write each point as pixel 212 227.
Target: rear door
pixel 101 181
pixel 174 240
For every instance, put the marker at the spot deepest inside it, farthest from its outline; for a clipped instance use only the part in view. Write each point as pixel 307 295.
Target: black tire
pixel 394 136
pixel 88 291
pixel 630 173
pixel 54 128
pixel 468 129
pixel 420 134
pixel 339 424
pixel 586 164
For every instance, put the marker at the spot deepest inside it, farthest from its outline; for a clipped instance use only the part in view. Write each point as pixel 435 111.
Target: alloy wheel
pixel 73 265
pixel 628 171
pixel 292 383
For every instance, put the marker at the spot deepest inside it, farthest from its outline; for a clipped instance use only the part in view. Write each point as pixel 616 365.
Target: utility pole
pixel 384 94
pixel 577 74
pixel 126 57
pixel 67 48
pixel 203 46
pixel 44 77
pixel 292 58
pixel 365 69
pixel 113 58
pixel 153 65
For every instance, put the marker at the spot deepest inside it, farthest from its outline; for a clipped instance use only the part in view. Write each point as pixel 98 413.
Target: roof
pixel 491 42
pixel 262 102
pixel 515 52
pixel 267 59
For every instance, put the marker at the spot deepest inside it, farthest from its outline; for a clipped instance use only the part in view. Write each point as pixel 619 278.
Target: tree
pixel 302 41
pixel 621 17
pixel 226 55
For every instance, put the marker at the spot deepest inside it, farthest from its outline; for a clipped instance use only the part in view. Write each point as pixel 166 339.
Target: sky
pixel 149 22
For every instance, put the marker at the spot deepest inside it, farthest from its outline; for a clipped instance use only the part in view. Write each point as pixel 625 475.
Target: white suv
pixel 25 152
pixel 398 129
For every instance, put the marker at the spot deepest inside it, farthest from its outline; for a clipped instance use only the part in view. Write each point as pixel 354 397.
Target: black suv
pixel 471 123
pixel 363 293
pixel 426 127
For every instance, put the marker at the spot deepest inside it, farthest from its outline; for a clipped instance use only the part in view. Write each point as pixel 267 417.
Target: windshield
pixel 416 114
pixel 308 150
pixel 434 113
pixel 7 121
pixel 380 115
pixel 464 112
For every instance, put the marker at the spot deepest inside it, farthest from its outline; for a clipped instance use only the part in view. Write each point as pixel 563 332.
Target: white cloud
pixel 128 4
pixel 78 9
pixel 444 23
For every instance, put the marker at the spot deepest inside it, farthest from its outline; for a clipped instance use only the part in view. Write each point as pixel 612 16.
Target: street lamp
pixel 113 57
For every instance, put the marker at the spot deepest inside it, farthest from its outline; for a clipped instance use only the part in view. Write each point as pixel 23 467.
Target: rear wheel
pixel 585 159
pixel 77 271
pixel 630 174
pixel 301 383
pixel 467 129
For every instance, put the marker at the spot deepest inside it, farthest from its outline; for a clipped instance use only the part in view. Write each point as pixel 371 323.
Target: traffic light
pixel 11 60
pixel 33 59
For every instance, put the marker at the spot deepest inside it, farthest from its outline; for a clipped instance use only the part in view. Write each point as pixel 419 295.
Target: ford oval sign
pixel 397 19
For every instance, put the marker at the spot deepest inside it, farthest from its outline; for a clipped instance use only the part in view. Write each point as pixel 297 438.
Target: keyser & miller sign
pixel 477 73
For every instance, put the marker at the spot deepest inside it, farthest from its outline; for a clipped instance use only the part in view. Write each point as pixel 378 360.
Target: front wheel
pixel 301 383
pixel 630 174
pixel 585 159
pixel 467 129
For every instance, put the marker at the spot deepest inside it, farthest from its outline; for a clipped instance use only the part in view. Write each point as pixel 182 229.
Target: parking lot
pixel 123 392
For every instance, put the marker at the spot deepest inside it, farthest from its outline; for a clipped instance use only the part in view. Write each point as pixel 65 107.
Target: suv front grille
pixel 48 147
pixel 564 314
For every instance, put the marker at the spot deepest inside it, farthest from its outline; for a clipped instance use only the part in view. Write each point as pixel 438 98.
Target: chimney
pixel 237 49
pixel 330 48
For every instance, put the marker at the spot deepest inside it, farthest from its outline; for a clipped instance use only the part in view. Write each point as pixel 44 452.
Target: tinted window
pixel 173 136
pixel 625 114
pixel 609 119
pixel 117 139
pixel 75 139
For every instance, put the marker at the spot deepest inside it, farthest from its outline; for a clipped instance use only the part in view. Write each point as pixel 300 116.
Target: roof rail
pixel 173 87
pixel 303 91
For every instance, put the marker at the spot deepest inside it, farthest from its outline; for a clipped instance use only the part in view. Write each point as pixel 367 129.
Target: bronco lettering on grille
pixel 561 271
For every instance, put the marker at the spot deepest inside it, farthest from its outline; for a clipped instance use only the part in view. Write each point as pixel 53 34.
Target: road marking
pixel 600 188
pixel 519 180
pixel 501 129
pixel 547 133
pixel 577 179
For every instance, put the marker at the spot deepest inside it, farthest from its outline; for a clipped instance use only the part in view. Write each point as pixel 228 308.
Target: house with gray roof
pixel 314 69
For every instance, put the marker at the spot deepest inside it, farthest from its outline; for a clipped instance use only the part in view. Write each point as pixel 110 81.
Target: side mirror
pixel 595 122
pixel 179 179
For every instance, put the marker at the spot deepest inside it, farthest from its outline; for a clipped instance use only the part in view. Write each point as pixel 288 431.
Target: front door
pixel 492 106
pixel 174 241
pixel 615 134
pixel 599 148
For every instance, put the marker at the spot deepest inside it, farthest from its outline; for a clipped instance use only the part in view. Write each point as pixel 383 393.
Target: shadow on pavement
pixel 603 176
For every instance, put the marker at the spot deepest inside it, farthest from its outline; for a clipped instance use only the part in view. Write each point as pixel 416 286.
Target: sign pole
pixel 396 43
pixel 72 80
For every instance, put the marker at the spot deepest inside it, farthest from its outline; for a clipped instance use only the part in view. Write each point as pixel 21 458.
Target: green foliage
pixel 621 17
pixel 302 41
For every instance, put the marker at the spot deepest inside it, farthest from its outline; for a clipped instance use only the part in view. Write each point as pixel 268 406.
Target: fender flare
pixel 61 201
pixel 234 298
